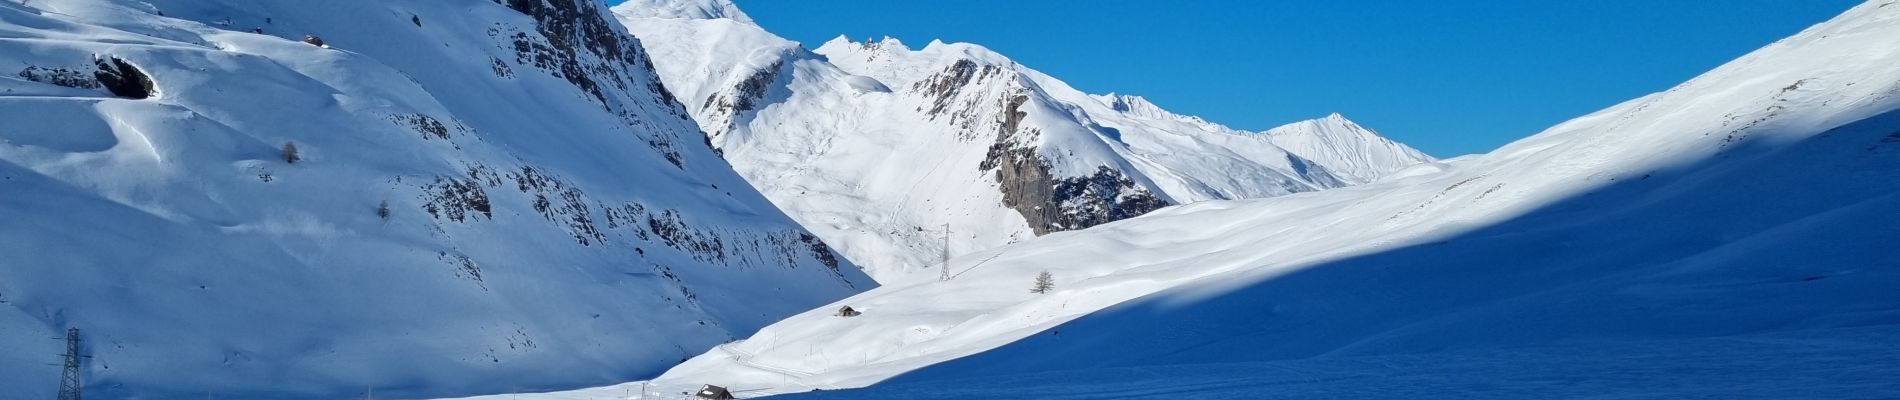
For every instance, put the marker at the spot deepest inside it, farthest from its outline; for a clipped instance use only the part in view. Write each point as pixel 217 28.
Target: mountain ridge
pixel 1012 153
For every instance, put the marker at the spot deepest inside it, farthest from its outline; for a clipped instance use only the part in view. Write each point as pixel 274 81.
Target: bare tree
pixel 290 153
pixel 1044 283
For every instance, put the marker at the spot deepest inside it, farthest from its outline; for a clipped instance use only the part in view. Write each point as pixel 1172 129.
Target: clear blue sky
pixel 1449 77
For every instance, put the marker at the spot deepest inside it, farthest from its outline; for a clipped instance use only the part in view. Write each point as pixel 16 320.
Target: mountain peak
pixel 1345 147
pixel 682 9
pixel 1133 104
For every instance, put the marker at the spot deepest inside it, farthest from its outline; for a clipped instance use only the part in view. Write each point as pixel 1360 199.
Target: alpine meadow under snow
pixel 1731 237
pixel 512 199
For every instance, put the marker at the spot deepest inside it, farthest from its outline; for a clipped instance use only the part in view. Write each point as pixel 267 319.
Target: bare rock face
pixel 726 106
pixel 60 76
pixel 115 75
pixel 1058 204
pixel 954 93
pixel 123 79
pixel 584 46
pixel 581 44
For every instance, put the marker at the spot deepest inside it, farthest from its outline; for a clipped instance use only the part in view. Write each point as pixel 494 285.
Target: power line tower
pixel 946 254
pixel 69 382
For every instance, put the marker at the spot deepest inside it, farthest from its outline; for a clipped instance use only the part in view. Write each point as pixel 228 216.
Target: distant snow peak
pixel 886 43
pixel 683 9
pixel 1346 148
pixel 873 143
pixel 1138 106
pixel 1131 103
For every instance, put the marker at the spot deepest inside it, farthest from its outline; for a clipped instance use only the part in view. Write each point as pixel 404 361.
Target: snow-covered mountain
pixel 877 146
pixel 1346 149
pixel 448 197
pixel 1741 217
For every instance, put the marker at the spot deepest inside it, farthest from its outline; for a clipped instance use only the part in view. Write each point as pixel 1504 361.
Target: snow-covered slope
pixel 684 9
pixel 876 146
pixel 1845 363
pixel 1758 199
pixel 553 217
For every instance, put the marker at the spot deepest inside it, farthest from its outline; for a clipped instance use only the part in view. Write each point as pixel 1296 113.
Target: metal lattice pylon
pixel 946 254
pixel 69 382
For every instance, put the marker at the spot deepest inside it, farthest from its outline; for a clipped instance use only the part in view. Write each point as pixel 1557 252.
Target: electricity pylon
pixel 69 382
pixel 946 254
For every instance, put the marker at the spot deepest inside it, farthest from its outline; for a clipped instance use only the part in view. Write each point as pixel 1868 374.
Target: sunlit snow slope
pixel 876 146
pixel 1760 199
pixel 554 218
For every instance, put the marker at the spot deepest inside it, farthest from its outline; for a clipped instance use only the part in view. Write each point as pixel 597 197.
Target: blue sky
pixel 1449 77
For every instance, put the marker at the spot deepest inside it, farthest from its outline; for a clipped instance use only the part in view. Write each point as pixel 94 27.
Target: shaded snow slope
pixel 876 146
pixel 1755 199
pixel 1848 363
pixel 554 218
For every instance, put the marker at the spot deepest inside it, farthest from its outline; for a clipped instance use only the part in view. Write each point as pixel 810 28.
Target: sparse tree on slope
pixel 1044 283
pixel 290 153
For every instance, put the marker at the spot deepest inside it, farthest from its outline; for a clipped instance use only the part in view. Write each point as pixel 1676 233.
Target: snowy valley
pixel 1734 233
pixel 566 199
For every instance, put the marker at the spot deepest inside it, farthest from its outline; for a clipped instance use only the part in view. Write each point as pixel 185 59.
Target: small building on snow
pixel 713 392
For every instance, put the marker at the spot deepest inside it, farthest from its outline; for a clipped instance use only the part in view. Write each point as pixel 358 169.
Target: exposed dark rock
pixel 502 70
pixel 428 126
pixel 1049 204
pixel 313 40
pixel 961 93
pixel 944 86
pixel 743 97
pixel 572 210
pixel 465 267
pixel 572 27
pixel 824 254
pixel 60 76
pixel 578 41
pixel 673 230
pixel 455 199
pixel 123 79
pixel 461 198
pixel 1104 197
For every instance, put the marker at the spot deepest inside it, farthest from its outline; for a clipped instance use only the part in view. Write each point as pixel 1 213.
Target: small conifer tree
pixel 1044 283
